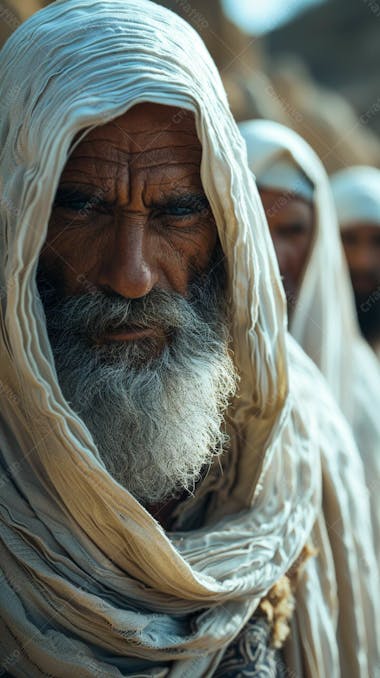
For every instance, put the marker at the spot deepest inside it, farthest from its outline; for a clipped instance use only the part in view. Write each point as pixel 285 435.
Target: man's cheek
pixel 72 259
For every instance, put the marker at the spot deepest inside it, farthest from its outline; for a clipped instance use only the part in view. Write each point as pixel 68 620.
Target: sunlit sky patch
pixel 260 16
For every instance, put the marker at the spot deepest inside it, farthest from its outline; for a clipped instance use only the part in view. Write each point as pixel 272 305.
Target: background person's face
pixel 291 225
pixel 361 244
pixel 130 212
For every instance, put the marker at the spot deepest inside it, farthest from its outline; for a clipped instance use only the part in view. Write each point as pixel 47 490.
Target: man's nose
pixel 363 259
pixel 129 267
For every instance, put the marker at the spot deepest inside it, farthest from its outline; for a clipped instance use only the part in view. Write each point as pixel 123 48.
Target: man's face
pixel 361 244
pixel 133 285
pixel 130 213
pixel 291 225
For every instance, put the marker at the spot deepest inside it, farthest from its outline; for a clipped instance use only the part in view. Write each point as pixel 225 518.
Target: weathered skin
pixel 143 219
pixel 130 214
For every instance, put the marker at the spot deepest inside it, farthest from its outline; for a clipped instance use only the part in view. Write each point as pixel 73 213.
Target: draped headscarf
pixel 324 316
pixel 91 583
pixel 356 192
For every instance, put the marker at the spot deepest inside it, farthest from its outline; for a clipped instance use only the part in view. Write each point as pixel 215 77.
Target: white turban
pixel 92 585
pixel 356 192
pixel 285 176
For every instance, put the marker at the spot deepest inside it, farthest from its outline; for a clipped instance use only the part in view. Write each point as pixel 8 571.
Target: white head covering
pixel 356 192
pixel 324 317
pixel 92 584
pixel 285 176
pixel 320 323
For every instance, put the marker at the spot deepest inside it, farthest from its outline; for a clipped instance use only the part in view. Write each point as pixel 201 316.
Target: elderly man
pixel 162 457
pixel 356 191
pixel 131 218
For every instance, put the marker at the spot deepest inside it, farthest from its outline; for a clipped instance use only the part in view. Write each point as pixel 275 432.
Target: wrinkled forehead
pixel 147 136
pixel 148 126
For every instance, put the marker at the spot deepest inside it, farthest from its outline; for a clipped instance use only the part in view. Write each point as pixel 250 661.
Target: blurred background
pixel 313 65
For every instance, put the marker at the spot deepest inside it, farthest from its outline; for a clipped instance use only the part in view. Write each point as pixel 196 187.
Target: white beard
pixel 156 421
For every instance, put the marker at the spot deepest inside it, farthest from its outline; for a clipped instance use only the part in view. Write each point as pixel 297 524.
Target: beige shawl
pixel 91 584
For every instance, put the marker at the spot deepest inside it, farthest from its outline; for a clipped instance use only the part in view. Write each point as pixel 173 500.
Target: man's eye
pixel 187 208
pixel 181 211
pixel 76 205
pixel 292 230
pixel 77 202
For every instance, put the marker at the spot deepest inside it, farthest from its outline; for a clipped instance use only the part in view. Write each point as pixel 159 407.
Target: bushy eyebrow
pixel 187 199
pixel 196 200
pixel 69 192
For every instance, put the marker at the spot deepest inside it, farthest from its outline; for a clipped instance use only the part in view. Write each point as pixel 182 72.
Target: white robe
pixel 92 585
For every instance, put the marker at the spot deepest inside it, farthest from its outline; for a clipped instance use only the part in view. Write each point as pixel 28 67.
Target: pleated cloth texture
pixel 91 584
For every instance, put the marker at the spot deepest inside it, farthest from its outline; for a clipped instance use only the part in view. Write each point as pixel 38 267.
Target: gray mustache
pixel 96 314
